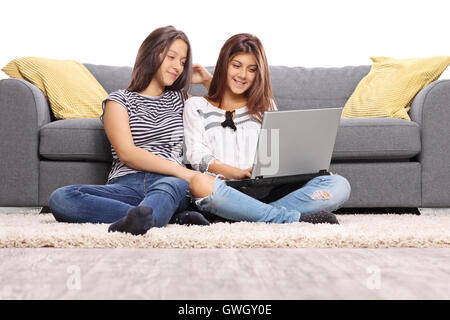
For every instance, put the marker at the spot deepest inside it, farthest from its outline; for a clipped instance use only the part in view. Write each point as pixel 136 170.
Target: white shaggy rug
pixel 21 230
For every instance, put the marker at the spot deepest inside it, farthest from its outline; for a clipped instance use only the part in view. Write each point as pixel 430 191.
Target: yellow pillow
pixel 70 88
pixel 390 86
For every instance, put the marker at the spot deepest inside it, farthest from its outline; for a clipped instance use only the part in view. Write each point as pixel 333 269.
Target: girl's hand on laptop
pixel 242 174
pixel 233 173
pixel 229 172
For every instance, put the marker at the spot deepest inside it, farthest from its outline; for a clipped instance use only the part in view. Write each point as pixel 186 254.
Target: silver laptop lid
pixel 296 142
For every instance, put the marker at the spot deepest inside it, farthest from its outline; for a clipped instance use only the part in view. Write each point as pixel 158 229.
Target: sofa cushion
pixel 377 138
pixel 357 139
pixel 74 139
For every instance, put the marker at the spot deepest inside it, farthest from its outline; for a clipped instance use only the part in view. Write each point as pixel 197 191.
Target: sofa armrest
pixel 23 110
pixel 431 109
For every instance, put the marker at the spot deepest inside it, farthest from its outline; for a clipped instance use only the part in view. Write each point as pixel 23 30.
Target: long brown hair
pixel 259 96
pixel 148 60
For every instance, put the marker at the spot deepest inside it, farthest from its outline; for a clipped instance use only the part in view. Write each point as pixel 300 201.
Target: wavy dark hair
pixel 259 96
pixel 148 60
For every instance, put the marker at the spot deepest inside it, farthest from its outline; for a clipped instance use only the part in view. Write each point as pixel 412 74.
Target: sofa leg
pixel 45 210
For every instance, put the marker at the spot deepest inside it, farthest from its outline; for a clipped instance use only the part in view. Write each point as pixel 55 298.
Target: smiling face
pixel 241 73
pixel 173 64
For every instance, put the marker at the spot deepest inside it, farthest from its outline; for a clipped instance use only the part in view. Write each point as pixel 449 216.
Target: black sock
pixel 319 217
pixel 137 221
pixel 189 217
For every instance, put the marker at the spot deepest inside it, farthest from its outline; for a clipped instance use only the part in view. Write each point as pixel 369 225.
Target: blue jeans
pixel 323 193
pixel 109 203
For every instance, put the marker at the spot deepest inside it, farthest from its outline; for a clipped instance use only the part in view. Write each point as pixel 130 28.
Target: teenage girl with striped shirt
pixel 147 183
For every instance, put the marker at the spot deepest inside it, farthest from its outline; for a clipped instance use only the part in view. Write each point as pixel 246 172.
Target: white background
pixel 313 33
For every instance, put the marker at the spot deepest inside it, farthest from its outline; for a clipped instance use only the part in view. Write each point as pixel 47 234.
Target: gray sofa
pixel 389 162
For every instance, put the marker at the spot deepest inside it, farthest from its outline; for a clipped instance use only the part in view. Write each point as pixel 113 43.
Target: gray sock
pixel 137 221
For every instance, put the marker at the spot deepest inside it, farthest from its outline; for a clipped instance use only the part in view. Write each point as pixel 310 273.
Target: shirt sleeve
pixel 198 153
pixel 116 96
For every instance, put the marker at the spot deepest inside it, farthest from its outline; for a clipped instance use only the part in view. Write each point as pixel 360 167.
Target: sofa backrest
pixel 293 87
pixel 304 88
pixel 110 77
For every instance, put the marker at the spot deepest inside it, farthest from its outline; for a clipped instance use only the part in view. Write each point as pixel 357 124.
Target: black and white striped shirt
pixel 156 125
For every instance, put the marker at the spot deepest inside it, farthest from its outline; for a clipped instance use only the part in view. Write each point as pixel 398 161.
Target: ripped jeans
pixel 323 193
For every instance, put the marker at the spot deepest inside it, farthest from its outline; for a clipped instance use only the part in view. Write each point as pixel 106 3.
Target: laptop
pixel 293 147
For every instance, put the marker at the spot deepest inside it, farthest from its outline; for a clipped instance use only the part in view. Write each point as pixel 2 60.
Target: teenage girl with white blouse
pixel 221 134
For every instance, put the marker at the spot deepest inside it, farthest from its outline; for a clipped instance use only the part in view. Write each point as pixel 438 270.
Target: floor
pixel 254 274
pixel 237 274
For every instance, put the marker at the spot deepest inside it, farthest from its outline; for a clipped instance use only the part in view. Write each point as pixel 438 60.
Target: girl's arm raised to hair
pixel 200 75
pixel 117 128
